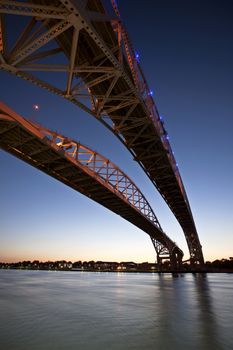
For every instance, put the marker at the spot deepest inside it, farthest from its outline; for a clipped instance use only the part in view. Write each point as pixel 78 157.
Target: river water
pixel 86 310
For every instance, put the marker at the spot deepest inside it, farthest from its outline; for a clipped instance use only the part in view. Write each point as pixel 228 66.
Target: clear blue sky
pixel 186 53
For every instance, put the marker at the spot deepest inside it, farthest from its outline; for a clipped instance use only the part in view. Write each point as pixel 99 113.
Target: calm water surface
pixel 80 310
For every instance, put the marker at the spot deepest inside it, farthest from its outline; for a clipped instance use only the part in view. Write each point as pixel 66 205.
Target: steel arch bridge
pixel 84 44
pixel 85 171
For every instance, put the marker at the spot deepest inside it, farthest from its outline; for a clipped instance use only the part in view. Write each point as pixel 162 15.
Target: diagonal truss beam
pixel 41 41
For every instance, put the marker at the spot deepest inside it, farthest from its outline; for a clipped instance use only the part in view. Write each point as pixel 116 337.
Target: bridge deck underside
pixel 24 145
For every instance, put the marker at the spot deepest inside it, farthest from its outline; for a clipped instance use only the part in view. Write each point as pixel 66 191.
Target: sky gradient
pixel 186 54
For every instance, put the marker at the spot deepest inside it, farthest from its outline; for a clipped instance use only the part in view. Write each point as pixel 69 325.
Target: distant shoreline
pixel 122 271
pixel 217 266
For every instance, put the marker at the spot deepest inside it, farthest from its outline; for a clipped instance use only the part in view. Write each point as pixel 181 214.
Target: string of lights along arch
pixel 86 40
pixel 85 171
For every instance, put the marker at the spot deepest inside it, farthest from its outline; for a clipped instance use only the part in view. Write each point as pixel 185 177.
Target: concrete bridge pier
pixel 168 251
pixel 176 257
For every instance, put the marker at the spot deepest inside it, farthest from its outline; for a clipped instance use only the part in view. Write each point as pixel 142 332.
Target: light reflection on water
pixel 64 310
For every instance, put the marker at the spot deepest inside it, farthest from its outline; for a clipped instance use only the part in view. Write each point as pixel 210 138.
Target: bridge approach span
pixel 81 51
pixel 86 171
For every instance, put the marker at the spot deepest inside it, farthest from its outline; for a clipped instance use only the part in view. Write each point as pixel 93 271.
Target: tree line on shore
pixel 215 266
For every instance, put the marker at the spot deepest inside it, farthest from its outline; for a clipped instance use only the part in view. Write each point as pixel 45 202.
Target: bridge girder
pixel 104 78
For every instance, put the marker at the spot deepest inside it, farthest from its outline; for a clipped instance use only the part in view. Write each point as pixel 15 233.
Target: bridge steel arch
pixel 87 172
pixel 88 42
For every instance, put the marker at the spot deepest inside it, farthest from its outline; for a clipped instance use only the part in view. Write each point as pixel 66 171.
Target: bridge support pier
pixel 172 254
pixel 176 260
pixel 196 256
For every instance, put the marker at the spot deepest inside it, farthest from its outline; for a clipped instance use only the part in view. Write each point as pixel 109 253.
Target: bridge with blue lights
pixel 81 51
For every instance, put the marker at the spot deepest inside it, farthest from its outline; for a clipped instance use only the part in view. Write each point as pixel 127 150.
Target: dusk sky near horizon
pixel 186 54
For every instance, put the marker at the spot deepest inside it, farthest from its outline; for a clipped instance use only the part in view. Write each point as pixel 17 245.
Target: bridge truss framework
pixel 89 47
